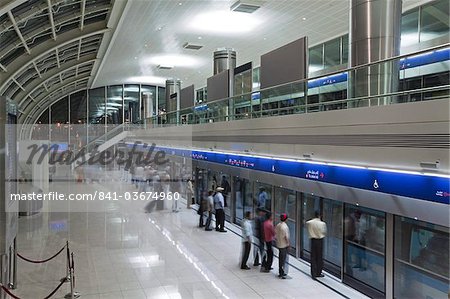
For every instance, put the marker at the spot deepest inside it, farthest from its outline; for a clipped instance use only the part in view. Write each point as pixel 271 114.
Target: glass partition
pixel 421 268
pixel 410 28
pixel 286 202
pixel 364 247
pixel 263 196
pixel 310 204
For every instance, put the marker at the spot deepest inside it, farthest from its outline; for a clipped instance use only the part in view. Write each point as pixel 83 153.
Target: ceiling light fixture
pixel 175 60
pixel 147 79
pixel 225 22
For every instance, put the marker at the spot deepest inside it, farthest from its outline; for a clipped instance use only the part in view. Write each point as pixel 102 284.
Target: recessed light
pixel 179 3
pixel 304 19
pixel 199 37
pixel 135 58
pixel 264 38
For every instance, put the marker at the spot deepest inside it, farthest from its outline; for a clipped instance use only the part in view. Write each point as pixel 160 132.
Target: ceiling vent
pixel 164 67
pixel 247 6
pixel 192 47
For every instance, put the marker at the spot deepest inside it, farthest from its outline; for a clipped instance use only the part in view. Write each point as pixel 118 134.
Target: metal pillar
pixel 173 104
pixel 225 59
pixel 374 35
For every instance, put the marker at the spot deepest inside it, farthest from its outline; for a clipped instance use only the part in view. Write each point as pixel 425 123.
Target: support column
pixel 173 86
pixel 374 35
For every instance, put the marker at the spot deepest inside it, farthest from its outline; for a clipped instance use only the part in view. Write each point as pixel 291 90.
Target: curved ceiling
pixel 49 48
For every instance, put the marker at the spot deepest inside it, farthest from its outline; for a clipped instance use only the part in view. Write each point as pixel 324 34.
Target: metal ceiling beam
pixel 44 49
pixel 57 58
pixel 18 84
pixel 59 22
pixel 37 112
pixel 52 74
pixel 19 34
pixel 52 90
pixel 3 68
pixel 37 69
pixel 50 16
pixel 79 49
pixel 83 14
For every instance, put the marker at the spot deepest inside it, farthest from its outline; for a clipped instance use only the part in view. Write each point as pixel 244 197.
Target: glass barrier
pixel 408 78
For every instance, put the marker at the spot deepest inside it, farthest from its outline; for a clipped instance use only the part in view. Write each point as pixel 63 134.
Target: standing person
pixel 262 198
pixel 258 231
pixel 226 190
pixel 246 240
pixel 269 237
pixel 283 243
pixel 209 211
pixel 317 230
pixel 202 209
pixel 220 214
pixel 189 194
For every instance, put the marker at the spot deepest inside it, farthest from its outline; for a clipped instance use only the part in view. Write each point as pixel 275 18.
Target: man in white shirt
pixel 317 230
pixel 283 243
pixel 246 240
pixel 219 204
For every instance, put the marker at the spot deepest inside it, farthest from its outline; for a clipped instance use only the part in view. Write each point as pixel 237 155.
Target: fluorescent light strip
pixel 317 162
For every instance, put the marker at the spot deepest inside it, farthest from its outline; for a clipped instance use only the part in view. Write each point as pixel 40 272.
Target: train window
pixel 421 267
pixel 434 20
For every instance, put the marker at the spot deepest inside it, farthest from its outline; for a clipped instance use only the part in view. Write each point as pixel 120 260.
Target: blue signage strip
pixel 425 187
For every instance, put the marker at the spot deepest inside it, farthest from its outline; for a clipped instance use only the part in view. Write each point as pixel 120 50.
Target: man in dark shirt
pixel 258 251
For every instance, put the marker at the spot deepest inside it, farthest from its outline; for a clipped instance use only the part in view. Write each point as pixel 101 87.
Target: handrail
pixel 443 46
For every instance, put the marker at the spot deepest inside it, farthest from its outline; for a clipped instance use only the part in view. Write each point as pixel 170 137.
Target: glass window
pixel 421 268
pixel 263 194
pixel 114 105
pixel 96 113
pixel 332 50
pixel 345 49
pixel 60 120
pixel 365 246
pixel 148 96
pixel 161 99
pixel 410 28
pixel 286 202
pixel 131 103
pixel 256 80
pixel 41 128
pixel 316 58
pixel 78 117
pixel 434 20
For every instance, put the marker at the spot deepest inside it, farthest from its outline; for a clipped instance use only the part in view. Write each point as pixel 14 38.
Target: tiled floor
pixel 126 253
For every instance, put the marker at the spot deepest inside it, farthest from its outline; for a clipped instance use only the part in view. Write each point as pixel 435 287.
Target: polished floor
pixel 126 253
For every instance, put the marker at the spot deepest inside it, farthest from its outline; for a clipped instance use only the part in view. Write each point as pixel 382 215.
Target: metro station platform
pixel 126 253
